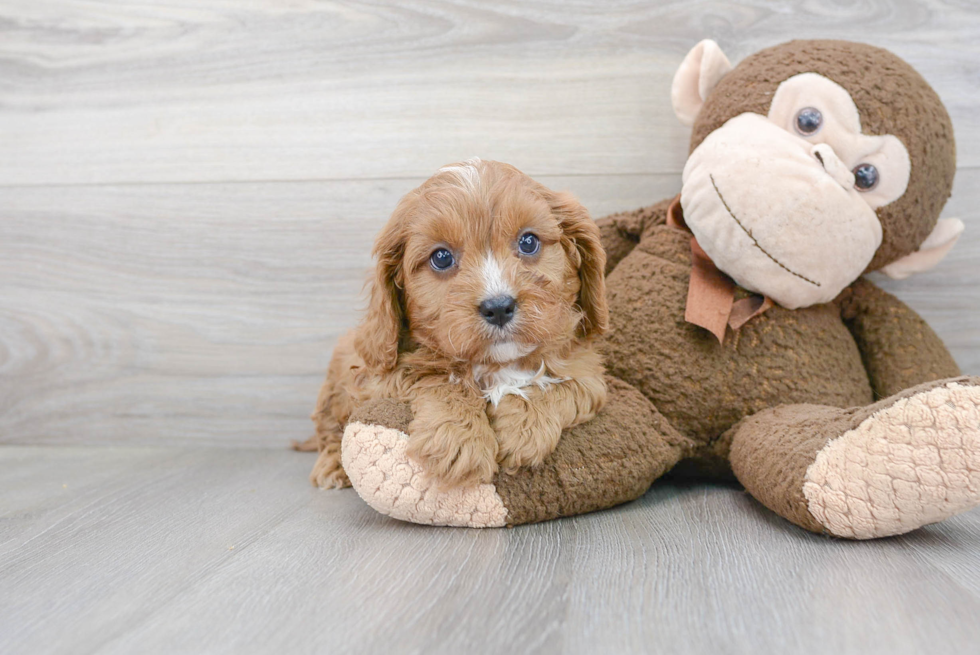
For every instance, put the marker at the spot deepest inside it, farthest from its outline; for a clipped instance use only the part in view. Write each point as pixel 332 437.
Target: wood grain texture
pixel 190 313
pixel 156 550
pixel 98 92
pixel 188 191
pixel 206 313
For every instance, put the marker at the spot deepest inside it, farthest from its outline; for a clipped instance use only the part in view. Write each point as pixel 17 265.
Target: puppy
pixel 488 292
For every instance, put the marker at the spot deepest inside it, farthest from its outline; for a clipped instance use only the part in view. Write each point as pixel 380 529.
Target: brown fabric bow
pixel 711 300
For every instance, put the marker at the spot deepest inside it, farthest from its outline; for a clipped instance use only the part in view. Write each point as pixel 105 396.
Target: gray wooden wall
pixel 189 188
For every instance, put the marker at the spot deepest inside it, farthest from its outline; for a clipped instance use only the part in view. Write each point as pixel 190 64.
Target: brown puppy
pixel 488 291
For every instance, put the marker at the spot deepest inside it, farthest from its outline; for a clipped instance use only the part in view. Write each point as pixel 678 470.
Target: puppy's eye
pixel 808 121
pixel 865 177
pixel 441 259
pixel 528 244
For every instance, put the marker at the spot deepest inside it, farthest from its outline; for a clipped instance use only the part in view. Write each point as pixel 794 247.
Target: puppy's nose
pixel 498 310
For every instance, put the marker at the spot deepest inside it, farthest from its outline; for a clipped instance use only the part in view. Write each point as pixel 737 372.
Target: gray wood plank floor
pixel 164 550
pixel 188 193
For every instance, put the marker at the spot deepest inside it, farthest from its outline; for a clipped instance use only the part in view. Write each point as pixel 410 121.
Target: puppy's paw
pixel 328 472
pixel 526 435
pixel 454 453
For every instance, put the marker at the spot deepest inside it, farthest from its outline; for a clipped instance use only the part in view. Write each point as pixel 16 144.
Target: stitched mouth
pixel 754 240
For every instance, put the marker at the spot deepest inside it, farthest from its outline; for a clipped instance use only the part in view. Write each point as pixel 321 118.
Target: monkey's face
pixel 785 203
pixel 813 162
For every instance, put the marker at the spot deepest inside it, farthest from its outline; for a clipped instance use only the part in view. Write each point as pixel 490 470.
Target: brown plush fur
pixel 424 340
pixel 774 392
pixel 891 97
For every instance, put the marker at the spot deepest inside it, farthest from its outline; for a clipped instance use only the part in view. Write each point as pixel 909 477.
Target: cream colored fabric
pixel 914 463
pixel 376 462
pixel 778 210
pixel 936 246
pixel 698 74
pixel 770 216
pixel 841 132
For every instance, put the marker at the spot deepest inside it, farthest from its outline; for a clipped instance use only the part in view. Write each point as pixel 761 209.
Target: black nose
pixel 498 310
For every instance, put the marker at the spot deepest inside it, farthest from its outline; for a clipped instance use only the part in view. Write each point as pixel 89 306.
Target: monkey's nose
pixel 833 165
pixel 498 310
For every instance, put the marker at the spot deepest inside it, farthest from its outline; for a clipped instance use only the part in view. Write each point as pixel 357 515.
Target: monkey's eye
pixel 528 244
pixel 865 177
pixel 441 259
pixel 808 121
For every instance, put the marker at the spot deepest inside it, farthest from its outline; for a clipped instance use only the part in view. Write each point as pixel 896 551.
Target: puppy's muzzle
pixel 498 310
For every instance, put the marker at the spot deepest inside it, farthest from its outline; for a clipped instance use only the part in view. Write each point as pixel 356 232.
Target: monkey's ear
pixel 930 253
pixel 701 70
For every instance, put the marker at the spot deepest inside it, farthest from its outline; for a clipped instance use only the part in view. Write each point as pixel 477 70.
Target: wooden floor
pixel 188 193
pixel 169 550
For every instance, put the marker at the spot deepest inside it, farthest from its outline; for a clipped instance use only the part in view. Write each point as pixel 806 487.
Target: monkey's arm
pixel 621 232
pixel 898 347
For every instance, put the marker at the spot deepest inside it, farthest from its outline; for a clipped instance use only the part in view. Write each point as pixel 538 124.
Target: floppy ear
pixel 939 242
pixel 583 236
pixel 699 73
pixel 378 336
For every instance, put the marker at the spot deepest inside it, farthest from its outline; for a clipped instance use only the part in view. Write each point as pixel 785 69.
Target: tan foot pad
pixel 913 463
pixel 379 469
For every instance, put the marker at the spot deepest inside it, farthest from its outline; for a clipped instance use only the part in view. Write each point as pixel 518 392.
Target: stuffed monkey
pixel 744 339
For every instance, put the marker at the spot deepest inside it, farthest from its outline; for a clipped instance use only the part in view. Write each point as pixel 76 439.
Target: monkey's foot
pixel 909 464
pixel 375 459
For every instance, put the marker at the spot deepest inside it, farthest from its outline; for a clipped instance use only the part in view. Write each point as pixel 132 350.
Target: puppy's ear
pixel 379 334
pixel 582 235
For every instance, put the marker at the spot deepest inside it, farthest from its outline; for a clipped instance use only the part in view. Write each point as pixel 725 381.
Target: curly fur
pixel 424 341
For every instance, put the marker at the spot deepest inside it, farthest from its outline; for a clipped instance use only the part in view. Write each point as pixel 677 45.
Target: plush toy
pixel 743 338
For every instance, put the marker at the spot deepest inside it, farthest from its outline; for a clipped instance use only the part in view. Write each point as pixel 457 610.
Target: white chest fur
pixel 510 381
